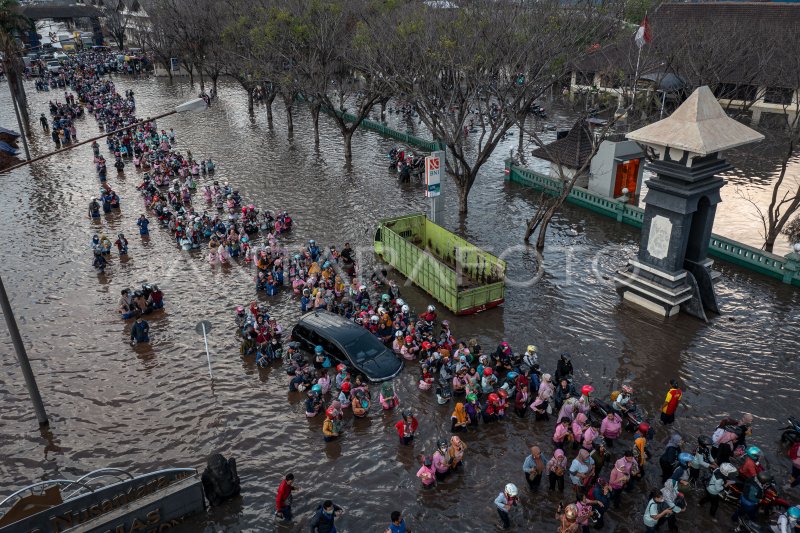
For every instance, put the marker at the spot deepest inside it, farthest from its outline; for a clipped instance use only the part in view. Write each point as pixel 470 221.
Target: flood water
pixel 151 407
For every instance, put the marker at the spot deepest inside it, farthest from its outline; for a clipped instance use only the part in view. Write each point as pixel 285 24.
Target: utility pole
pixel 22 357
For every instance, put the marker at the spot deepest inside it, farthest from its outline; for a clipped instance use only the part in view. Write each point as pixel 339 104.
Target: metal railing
pixel 787 269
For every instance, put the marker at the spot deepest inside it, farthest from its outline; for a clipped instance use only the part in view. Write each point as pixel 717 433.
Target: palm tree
pixel 11 18
pixel 12 22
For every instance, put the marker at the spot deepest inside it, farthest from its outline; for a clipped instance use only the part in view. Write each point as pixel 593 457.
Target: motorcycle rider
pixel 720 478
pixel 751 495
pixel 564 368
pixel 702 458
pixel 530 357
pixel 620 404
pixel 789 522
pixel 751 466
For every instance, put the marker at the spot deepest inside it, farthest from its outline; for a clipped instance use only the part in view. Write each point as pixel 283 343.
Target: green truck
pixel 458 274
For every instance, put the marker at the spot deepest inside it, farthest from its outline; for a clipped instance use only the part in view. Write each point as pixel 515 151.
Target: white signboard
pixel 433 175
pixel 660 235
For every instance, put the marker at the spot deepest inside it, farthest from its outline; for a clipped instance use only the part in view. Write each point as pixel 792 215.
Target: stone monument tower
pixel 671 271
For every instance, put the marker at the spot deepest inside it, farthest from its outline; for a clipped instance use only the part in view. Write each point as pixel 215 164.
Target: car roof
pixel 341 329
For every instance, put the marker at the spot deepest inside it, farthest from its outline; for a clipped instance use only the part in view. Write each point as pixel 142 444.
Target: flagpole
pixel 639 45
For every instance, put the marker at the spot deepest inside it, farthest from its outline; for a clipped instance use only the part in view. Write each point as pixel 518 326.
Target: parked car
pixel 347 343
pixel 53 66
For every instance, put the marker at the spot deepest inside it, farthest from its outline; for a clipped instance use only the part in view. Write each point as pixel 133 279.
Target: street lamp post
pixel 191 105
pixel 5 304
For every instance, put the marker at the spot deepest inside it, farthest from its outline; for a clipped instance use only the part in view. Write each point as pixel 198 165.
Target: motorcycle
pixel 770 501
pixel 631 418
pixel 791 433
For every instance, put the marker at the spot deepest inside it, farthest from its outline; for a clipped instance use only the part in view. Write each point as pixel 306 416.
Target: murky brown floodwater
pixel 152 407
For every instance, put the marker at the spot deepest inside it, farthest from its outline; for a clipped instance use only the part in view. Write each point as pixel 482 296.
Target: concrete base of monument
pixel 656 291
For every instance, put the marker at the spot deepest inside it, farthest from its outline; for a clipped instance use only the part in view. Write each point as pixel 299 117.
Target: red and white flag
pixel 643 34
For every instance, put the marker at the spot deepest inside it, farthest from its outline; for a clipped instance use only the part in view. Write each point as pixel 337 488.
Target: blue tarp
pixel 9 132
pixel 5 147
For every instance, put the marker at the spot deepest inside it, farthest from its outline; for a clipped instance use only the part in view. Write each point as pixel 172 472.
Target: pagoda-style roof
pixel 572 150
pixel 699 126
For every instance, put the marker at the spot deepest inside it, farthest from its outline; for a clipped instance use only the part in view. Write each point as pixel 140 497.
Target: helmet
pixel 627 389
pixel 644 428
pixel 405 309
pixel 524 369
pixel 362 287
pixel 407 413
pixel 431 309
pixel 531 348
pixel 398 334
pixel 494 398
pixel 340 367
pixel 316 388
pixel 705 441
pixel 385 297
pixel 428 462
pixel 441 444
pixel 503 393
pixel 487 371
pixel 727 469
pixel 586 390
pixel 318 349
pixel 511 490
pixel 571 512
pixel 753 453
pixel 374 319
pixel 764 477
pixel 381 310
pixel 599 441
pixel 446 323
pixel 400 302
pixel 426 345
pixel 512 375
pixel 685 458
pixel 794 512
pixel 471 398
pixel 346 386
pixel 409 339
pixel 311 241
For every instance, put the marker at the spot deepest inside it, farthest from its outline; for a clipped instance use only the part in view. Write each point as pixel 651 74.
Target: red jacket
pixel 400 427
pixel 284 491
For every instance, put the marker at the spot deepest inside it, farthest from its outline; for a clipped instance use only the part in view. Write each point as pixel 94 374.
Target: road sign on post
pixel 434 167
pixel 433 176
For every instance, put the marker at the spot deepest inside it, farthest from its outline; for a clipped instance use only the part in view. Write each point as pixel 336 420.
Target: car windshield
pixel 362 351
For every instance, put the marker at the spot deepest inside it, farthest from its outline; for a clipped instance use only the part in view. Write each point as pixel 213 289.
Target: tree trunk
pixel 270 99
pixel 202 80
pixel 769 242
pixel 521 139
pixel 249 100
pixel 289 118
pixel 543 224
pixel 384 101
pixel 315 108
pixel 463 196
pixel 214 80
pixel 348 144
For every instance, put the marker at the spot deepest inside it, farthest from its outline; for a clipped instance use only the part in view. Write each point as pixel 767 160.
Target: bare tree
pixel 117 19
pixel 316 41
pixel 485 63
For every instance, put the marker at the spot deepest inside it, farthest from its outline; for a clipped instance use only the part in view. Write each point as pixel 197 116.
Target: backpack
pixel 614 395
